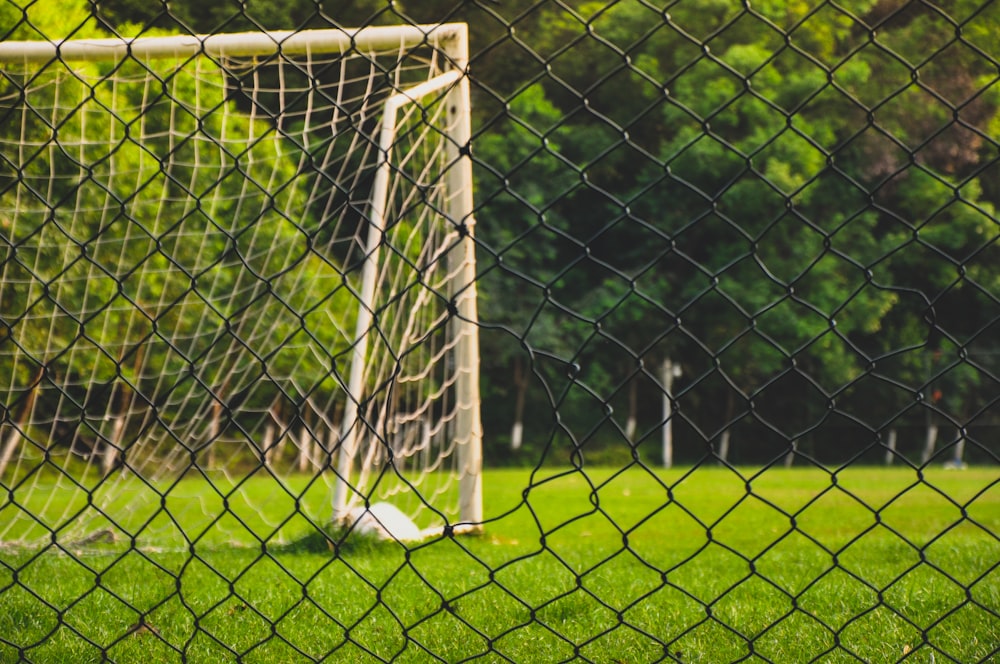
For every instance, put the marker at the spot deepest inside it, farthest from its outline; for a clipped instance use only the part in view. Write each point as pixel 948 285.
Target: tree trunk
pixel 267 447
pixel 9 446
pixel 930 443
pixel 723 452
pixel 633 409
pixel 520 395
pixel 114 454
pixel 790 456
pixel 958 461
pixel 724 437
pixel 16 427
pixel 669 372
pixel 278 453
pixel 332 437
pixel 305 449
pixel 214 428
pixel 113 448
pixel 426 442
pixel 890 447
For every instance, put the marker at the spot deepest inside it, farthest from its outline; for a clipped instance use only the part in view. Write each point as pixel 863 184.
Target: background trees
pixel 144 261
pixel 795 201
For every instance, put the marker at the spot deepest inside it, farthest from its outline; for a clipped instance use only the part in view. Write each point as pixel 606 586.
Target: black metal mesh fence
pixel 738 297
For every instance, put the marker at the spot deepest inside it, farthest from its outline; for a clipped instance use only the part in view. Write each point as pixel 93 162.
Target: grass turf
pixel 703 565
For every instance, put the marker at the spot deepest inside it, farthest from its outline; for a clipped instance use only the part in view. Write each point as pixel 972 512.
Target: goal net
pixel 237 286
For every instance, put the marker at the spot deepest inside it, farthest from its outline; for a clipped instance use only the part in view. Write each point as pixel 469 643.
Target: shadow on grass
pixel 335 541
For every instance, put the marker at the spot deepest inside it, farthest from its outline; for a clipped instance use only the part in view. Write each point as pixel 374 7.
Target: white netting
pixel 184 241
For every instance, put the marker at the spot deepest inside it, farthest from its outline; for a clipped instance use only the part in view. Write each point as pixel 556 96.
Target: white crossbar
pixel 236 44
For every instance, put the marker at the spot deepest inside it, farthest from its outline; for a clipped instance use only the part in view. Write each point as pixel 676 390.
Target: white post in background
pixel 790 455
pixel 670 371
pixel 724 438
pixel 929 443
pixel 890 447
pixel 958 460
pixel 468 423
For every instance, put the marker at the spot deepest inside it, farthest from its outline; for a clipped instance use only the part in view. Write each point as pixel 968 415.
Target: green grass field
pixel 608 566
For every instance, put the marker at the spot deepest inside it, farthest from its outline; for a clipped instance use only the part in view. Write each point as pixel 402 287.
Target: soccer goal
pixel 238 285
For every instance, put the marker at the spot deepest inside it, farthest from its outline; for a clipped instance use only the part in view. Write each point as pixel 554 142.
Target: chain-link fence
pixel 499 331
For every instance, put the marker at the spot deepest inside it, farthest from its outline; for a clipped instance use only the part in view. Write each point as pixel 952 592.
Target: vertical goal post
pixel 406 186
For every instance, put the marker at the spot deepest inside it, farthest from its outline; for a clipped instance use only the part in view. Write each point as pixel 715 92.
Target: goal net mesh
pixel 184 243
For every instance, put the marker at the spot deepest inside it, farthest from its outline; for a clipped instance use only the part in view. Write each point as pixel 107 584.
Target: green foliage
pixel 761 190
pixel 46 19
pixel 781 189
pixel 230 16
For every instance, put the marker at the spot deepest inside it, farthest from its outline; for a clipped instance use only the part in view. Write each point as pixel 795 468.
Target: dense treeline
pixel 794 202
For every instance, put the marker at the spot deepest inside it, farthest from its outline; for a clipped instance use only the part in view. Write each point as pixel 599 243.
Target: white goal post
pixel 243 257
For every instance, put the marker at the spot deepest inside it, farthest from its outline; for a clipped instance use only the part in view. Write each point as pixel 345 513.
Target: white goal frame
pixel 452 40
